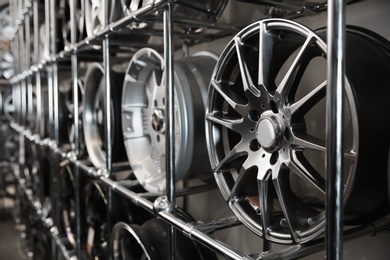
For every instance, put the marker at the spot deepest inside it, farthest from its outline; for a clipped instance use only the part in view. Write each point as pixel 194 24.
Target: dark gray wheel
pixel 266 128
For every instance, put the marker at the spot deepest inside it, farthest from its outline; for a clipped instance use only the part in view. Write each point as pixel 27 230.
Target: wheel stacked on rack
pixel 70 110
pixel 148 241
pixel 97 227
pixel 266 128
pixel 143 117
pixel 36 172
pixel 94 116
pixel 67 203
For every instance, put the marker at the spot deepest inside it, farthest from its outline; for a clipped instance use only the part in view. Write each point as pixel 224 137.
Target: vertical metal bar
pixel 107 109
pixel 76 126
pixel 36 31
pixel 107 103
pixel 56 104
pixel 170 122
pixel 46 51
pixel 334 116
pixel 29 86
pixel 38 93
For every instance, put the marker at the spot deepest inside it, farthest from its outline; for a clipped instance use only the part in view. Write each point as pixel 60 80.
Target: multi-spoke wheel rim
pixel 265 129
pixel 143 117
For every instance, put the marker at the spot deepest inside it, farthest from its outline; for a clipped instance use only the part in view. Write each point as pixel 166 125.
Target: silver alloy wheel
pixel 143 117
pixel 94 116
pixel 94 15
pixel 266 129
pixel 70 110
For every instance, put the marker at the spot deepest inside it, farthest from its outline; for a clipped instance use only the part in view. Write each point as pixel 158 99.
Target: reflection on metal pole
pixel 334 117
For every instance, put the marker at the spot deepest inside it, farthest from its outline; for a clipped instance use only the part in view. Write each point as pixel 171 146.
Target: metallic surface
pixel 144 117
pixel 257 106
pixel 335 133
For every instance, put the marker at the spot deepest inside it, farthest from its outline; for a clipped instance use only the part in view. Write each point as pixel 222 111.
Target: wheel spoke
pixel 264 183
pixel 287 201
pixel 245 75
pixel 226 122
pixel 291 74
pixel 238 151
pixel 309 142
pixel 246 175
pixel 266 42
pixel 301 167
pixel 228 95
pixel 307 102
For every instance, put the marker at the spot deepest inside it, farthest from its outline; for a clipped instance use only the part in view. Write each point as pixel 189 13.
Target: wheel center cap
pixel 158 120
pixel 269 132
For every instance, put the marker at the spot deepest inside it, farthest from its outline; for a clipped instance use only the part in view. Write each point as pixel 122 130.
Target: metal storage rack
pixel 49 62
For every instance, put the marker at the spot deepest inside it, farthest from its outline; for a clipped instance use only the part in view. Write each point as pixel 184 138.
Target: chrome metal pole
pixel 38 92
pixel 76 119
pixel 107 109
pixel 169 122
pixel 46 50
pixel 334 127
pixel 107 101
pixel 36 31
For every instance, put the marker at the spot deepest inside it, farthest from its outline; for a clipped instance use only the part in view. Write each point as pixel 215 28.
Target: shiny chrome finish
pixel 144 111
pixel 266 129
pixel 335 133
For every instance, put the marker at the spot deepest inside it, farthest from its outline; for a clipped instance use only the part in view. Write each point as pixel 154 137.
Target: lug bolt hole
pixel 254 115
pixel 254 145
pixel 158 138
pixel 155 103
pixel 252 130
pixel 274 158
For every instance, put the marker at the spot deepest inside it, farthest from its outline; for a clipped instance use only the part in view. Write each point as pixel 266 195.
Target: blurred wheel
pixel 130 242
pixel 266 128
pixel 96 218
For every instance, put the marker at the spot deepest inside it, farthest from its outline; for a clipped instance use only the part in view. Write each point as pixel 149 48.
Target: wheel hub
pixel 269 132
pixel 158 120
